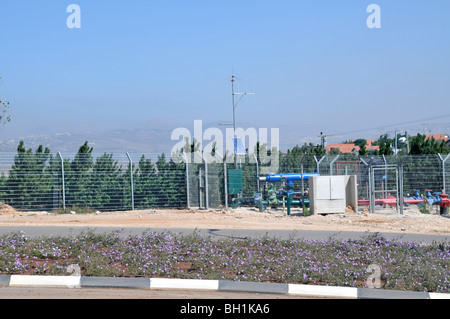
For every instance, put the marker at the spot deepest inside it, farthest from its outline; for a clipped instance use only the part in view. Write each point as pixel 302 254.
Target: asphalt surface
pixel 104 293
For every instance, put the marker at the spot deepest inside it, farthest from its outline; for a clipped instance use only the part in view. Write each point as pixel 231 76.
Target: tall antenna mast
pixel 323 141
pixel 235 103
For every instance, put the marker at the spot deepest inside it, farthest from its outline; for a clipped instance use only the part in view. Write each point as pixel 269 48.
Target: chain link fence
pixel 40 180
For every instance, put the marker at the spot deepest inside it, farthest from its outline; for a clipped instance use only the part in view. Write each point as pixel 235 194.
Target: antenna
pixel 233 77
pixel 323 140
pixel 235 103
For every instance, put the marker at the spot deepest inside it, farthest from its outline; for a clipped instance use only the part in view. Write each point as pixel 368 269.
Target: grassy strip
pixel 404 265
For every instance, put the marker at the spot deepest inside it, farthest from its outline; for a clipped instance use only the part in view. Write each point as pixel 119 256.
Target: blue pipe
pixel 290 177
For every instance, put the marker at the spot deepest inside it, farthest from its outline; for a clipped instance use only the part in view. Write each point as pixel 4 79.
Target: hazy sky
pixel 313 64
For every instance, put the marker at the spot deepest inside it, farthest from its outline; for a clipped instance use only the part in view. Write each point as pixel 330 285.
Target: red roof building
pixel 348 148
pixel 438 137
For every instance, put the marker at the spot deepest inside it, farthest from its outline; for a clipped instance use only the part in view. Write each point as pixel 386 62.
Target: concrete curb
pixel 217 285
pixel 325 291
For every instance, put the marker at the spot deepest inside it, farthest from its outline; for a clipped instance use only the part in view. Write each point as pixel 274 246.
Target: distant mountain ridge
pixel 116 141
pixel 157 139
pixel 143 141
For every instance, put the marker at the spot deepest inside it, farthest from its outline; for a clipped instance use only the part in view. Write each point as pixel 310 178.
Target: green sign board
pixel 235 181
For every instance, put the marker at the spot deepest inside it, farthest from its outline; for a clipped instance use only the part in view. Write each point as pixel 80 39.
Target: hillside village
pixel 386 146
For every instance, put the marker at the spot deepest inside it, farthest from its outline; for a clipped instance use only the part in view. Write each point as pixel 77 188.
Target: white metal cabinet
pixel 328 194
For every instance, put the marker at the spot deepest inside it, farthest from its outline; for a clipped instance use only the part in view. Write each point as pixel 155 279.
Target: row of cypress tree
pixel 35 181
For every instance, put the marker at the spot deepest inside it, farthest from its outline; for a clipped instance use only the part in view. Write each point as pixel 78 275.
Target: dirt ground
pixel 384 220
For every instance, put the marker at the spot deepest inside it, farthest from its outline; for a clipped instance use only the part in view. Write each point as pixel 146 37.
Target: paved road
pixel 105 293
pixel 33 231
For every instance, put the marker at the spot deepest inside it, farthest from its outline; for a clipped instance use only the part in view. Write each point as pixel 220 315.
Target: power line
pixel 395 124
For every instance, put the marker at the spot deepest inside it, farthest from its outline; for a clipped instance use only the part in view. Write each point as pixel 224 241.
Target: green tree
pixel 146 183
pixel 420 144
pixel 362 148
pixel 292 161
pixel 385 145
pixel 30 183
pixel 78 177
pixel 360 142
pixel 106 184
pixel 171 182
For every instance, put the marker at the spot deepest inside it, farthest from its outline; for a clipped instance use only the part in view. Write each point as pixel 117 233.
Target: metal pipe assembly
pixel 284 195
pixel 290 177
pixel 440 199
pixel 445 203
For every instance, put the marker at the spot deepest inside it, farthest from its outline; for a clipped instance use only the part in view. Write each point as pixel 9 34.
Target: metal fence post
pixel 206 186
pixel 443 160
pixel 331 164
pixel 318 163
pixel 371 190
pixel 62 179
pixel 188 203
pixel 257 172
pixel 401 195
pixel 131 181
pixel 225 181
pixel 371 186
pixel 385 177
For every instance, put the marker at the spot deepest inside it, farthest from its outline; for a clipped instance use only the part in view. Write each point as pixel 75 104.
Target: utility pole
pixel 234 110
pixel 235 103
pixel 323 141
pixel 396 139
pixel 407 142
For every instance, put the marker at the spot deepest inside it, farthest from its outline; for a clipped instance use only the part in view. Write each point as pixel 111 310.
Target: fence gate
pixel 204 182
pixel 385 188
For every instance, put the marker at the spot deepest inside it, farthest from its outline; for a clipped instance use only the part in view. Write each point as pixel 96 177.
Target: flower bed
pixel 404 265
